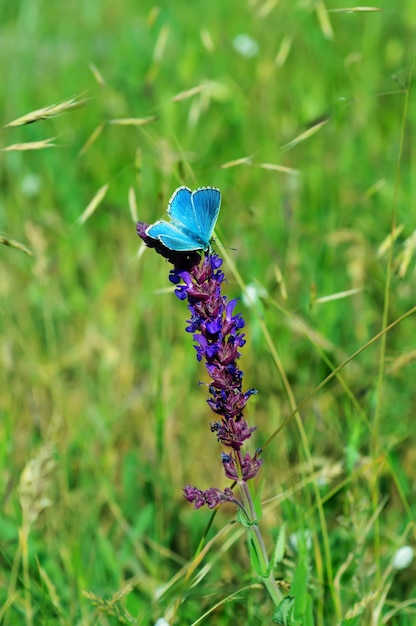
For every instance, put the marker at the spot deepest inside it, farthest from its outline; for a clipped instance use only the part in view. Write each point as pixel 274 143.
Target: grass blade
pixel 97 199
pixel 303 136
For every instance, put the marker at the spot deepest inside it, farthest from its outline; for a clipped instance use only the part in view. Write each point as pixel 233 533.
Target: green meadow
pixel 303 113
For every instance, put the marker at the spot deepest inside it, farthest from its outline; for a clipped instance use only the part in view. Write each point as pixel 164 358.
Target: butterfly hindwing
pixel 172 237
pixel 193 217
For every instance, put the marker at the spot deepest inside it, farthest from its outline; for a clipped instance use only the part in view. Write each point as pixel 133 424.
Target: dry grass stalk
pixel 34 485
pixel 15 244
pixel 47 112
pixel 134 121
pixel 31 145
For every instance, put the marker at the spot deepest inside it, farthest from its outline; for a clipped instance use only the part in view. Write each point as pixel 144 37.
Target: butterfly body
pixel 193 215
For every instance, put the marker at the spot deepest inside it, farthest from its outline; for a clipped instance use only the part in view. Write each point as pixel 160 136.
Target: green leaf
pixel 284 612
pixel 279 548
pixel 308 615
pixel 299 586
pixel 243 519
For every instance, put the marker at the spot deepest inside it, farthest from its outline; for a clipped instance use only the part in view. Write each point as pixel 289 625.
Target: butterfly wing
pixel 180 207
pixel 196 212
pixel 193 217
pixel 173 236
pixel 207 202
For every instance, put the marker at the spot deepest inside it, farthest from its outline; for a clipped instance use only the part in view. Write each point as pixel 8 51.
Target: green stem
pixel 257 542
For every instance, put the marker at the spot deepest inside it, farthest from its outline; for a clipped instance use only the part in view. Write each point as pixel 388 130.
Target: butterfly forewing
pixel 207 201
pixel 180 207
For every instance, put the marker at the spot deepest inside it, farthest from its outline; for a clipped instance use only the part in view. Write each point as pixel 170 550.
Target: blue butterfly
pixel 193 215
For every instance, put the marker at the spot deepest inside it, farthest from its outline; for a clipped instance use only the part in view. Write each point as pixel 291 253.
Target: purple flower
pixel 232 433
pixel 216 331
pixel 246 469
pixel 211 497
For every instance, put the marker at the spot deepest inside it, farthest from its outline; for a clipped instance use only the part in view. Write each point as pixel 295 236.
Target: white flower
pixel 253 293
pixel 403 557
pixel 30 185
pixel 246 46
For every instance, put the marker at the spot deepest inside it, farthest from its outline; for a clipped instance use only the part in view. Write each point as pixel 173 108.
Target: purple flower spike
pixel 217 336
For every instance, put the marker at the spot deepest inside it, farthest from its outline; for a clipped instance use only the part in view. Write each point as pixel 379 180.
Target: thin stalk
pixel 258 544
pixel 24 540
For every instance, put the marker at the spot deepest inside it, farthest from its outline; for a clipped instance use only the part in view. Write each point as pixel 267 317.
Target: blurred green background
pixel 304 116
